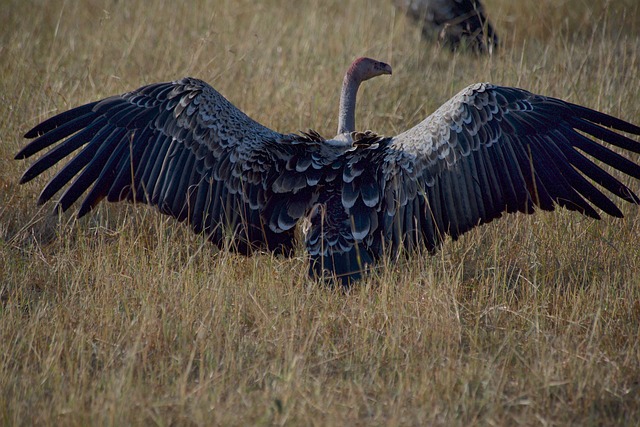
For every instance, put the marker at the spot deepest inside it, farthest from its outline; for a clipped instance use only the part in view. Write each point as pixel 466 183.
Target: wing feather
pixel 93 168
pixel 60 151
pixel 120 157
pixel 505 150
pixel 56 128
pixel 182 147
pixel 487 151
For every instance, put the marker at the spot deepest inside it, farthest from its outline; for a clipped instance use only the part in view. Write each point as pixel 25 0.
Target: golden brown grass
pixel 127 318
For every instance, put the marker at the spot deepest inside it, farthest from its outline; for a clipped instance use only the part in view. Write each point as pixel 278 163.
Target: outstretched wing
pixel 495 149
pixel 184 148
pixel 487 151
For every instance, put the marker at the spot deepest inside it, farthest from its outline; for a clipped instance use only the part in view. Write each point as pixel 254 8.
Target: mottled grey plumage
pixel 486 151
pixel 185 149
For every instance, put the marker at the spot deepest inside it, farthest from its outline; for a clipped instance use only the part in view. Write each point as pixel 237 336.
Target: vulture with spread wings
pixel 185 149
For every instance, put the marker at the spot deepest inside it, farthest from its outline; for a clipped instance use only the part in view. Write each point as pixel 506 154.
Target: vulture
pixel 186 150
pixel 454 22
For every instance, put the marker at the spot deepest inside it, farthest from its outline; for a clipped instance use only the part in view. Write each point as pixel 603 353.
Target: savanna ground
pixel 127 318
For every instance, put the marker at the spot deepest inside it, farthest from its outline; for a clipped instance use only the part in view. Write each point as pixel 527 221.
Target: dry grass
pixel 127 318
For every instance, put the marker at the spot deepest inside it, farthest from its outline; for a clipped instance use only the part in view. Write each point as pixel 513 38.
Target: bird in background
pixel 186 150
pixel 454 23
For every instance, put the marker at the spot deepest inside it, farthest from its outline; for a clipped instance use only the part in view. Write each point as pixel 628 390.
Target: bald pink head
pixel 366 68
pixel 360 70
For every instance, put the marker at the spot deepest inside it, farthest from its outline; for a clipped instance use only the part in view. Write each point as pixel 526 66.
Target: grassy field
pixel 127 318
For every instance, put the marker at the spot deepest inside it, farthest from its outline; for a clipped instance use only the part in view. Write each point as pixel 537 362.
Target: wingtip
pixel 27 150
pixel 616 214
pixel 24 179
pixel 85 208
pixel 42 200
pixel 604 119
pixel 33 133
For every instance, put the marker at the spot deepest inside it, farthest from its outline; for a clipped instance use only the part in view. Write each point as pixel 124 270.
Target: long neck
pixel 347 114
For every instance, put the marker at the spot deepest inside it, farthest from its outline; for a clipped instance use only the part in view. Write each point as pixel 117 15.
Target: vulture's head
pixel 366 68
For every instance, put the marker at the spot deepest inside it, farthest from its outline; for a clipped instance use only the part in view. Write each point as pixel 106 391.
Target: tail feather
pixel 344 267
